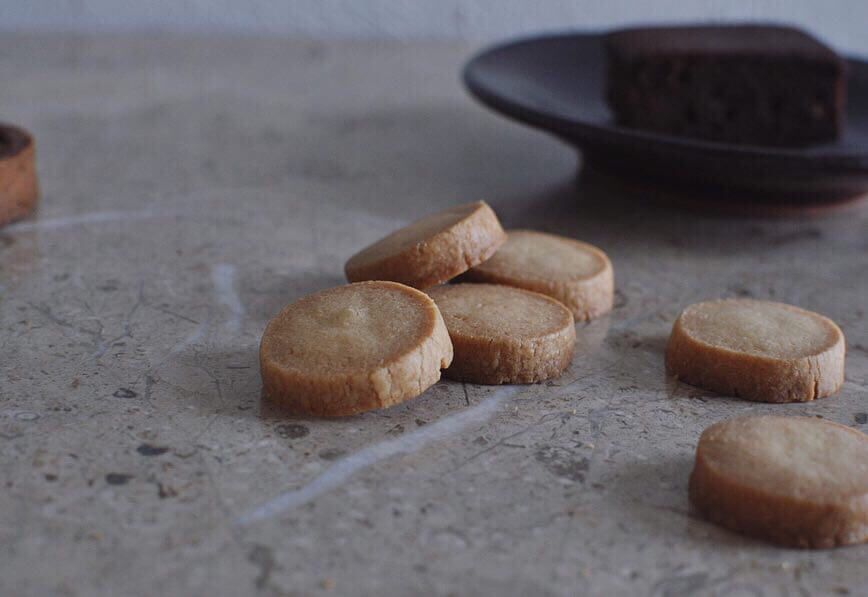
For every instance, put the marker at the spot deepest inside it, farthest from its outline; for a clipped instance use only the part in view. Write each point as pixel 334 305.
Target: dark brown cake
pixel 756 84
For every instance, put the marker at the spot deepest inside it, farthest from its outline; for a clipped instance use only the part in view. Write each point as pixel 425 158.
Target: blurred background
pixel 840 22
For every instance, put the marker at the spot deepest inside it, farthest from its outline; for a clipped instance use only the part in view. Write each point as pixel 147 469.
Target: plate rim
pixel 581 133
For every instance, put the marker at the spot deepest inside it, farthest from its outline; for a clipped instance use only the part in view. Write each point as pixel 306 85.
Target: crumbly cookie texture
pixel 758 350
pixel 431 250
pixel 353 348
pixel 794 481
pixel 577 274
pixel 505 335
pixel 19 190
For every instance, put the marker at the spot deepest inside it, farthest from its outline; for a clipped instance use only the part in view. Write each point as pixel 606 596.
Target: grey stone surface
pixel 193 187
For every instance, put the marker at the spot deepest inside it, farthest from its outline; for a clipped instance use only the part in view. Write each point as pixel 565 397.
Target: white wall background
pixel 841 22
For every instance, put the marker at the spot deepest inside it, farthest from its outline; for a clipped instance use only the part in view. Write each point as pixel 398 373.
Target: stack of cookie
pixel 381 340
pixel 795 481
pixel 510 317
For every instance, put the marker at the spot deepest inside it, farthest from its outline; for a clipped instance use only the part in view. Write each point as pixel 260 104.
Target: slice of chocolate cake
pixel 749 84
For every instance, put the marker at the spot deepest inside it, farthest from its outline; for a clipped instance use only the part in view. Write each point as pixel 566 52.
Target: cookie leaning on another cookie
pixel 795 481
pixel 577 274
pixel 505 335
pixel 431 250
pixel 758 350
pixel 353 348
pixel 18 186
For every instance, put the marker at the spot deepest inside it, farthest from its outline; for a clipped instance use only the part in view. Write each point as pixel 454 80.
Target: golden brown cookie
pixel 19 190
pixel 353 348
pixel 431 250
pixel 577 274
pixel 795 481
pixel 758 350
pixel 505 335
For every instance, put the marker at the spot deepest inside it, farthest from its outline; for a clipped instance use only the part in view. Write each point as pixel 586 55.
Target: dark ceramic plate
pixel 556 83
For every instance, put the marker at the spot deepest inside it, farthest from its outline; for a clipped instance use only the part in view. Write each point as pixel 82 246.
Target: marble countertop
pixel 191 187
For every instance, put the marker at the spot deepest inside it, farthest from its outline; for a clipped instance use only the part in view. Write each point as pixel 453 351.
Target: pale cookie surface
pixel 19 190
pixel 758 350
pixel 431 250
pixel 577 274
pixel 795 481
pixel 505 335
pixel 353 348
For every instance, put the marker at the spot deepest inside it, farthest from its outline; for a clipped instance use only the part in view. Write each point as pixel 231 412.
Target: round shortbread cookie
pixel 795 481
pixel 431 250
pixel 577 274
pixel 758 350
pixel 19 190
pixel 353 348
pixel 505 335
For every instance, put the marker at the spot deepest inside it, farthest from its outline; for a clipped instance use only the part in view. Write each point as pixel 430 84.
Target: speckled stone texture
pixel 193 187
